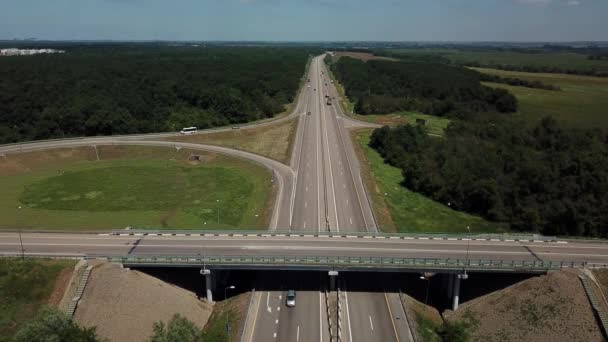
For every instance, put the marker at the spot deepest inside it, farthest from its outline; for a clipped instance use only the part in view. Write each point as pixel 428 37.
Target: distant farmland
pixel 582 101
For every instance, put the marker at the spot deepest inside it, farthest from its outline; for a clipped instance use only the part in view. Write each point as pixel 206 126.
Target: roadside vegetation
pixel 273 141
pixel 543 178
pixel 581 101
pixel 380 87
pixel 132 187
pixel 399 209
pixel 139 88
pixel 26 287
pixel 223 325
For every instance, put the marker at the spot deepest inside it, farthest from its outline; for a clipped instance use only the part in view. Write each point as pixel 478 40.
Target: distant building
pixel 27 52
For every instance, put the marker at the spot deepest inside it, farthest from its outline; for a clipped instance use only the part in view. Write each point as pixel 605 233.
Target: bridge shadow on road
pixel 477 284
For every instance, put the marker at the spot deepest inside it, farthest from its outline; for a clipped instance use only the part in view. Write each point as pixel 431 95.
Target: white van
pixel 188 130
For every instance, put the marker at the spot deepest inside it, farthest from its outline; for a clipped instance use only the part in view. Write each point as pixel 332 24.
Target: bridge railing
pixel 289 233
pixel 346 262
pixel 329 262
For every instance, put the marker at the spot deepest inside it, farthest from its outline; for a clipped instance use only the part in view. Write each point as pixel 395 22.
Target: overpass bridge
pixel 453 256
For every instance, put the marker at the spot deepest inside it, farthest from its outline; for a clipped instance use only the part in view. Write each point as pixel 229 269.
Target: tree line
pixel 381 87
pixel 123 89
pixel 517 82
pixel 542 178
pixel 538 69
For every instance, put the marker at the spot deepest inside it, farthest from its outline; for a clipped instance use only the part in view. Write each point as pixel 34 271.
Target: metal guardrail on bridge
pixel 355 262
pixel 333 263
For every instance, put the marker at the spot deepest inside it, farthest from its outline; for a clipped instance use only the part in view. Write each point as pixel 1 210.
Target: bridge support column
pixel 456 292
pixel 332 280
pixel 208 284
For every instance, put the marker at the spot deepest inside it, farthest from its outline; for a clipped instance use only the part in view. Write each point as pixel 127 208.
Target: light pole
pixel 19 227
pixel 231 287
pixel 428 283
pixel 468 243
pixel 218 211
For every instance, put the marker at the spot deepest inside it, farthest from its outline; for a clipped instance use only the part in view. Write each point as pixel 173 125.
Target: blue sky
pixel 298 20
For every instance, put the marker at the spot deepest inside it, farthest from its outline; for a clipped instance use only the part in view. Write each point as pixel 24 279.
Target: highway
pixel 321 190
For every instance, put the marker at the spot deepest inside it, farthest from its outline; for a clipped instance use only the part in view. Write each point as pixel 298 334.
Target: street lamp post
pixel 428 283
pixel 231 287
pixel 218 212
pixel 19 227
pixel 468 243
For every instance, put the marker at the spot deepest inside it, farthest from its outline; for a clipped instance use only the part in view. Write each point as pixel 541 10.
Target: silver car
pixel 291 298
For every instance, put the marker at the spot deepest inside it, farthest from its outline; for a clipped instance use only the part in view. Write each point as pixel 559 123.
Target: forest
pixel 122 89
pixel 382 87
pixel 538 178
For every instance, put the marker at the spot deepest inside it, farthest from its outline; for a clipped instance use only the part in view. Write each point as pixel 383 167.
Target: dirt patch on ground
pixel 364 56
pixel 272 141
pixel 61 284
pixel 124 304
pixel 16 163
pixel 553 307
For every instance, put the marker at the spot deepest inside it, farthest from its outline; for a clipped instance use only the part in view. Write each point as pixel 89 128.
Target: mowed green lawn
pixel 582 101
pixel 127 188
pixel 401 210
pixel 25 285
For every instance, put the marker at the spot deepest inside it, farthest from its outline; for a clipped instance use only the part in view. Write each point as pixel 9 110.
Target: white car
pixel 291 298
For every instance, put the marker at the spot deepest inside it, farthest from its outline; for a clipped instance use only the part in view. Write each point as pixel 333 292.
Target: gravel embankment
pixel 124 304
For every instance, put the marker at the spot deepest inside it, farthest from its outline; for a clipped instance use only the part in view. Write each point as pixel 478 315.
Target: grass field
pixel 229 312
pixel 401 210
pixel 435 125
pixel 142 187
pixel 25 285
pixel 582 101
pixel 272 141
pixel 566 61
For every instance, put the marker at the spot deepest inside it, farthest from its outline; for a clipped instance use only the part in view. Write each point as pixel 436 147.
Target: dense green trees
pixel 542 178
pixel 517 82
pixel 179 329
pixel 51 325
pixel 381 87
pixel 116 89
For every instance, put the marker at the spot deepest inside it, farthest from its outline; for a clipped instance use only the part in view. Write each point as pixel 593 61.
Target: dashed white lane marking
pixel 278 308
pixel 305 204
pixel 276 321
pixel 298 334
pixel 304 225
pixel 351 220
pixel 370 323
pixel 306 189
pixel 274 335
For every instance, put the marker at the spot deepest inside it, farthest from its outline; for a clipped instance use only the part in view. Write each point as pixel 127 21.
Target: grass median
pixel 273 141
pixel 398 209
pixel 140 187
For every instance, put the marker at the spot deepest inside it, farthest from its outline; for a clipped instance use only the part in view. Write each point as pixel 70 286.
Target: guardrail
pixel 353 262
pixel 289 233
pixel 332 262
